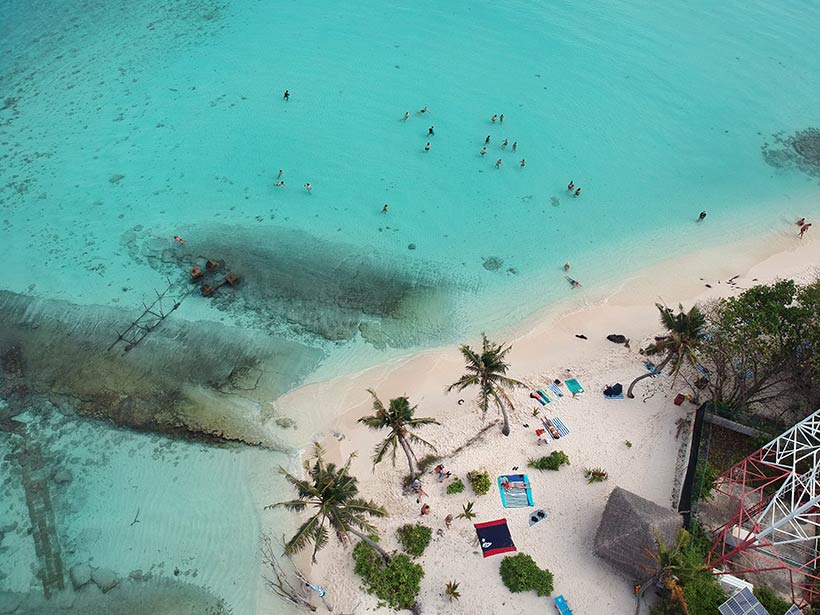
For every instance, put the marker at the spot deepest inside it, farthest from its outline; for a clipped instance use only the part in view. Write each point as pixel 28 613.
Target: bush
pixel 480 481
pixel 595 475
pixel 705 480
pixel 773 603
pixel 703 594
pixel 457 486
pixel 396 583
pixel 553 461
pixel 520 573
pixel 414 538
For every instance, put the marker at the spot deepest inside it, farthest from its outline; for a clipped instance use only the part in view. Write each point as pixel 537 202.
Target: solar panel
pixel 742 603
pixel 793 610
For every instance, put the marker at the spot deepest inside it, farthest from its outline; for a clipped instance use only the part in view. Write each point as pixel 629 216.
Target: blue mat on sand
pixel 556 390
pixel 517 493
pixel 494 537
pixel 574 386
pixel 619 396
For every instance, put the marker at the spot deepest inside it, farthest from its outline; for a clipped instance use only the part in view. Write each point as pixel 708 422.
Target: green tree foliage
pixel 773 603
pixel 520 573
pixel 703 594
pixel 330 492
pixel 684 332
pixel 762 342
pixel 468 512
pixel 457 486
pixel 706 476
pixel 414 538
pixel 488 370
pixel 553 461
pixel 399 418
pixel 480 481
pixel 396 582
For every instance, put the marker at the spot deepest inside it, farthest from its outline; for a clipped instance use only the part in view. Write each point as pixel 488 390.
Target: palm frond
pixel 303 535
pixel 419 440
pixel 382 447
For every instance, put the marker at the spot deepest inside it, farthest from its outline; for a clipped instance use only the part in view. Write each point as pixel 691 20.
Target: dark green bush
pixel 396 583
pixel 553 461
pixel 520 573
pixel 414 538
pixel 705 480
pixel 480 481
pixel 457 486
pixel 773 603
pixel 703 594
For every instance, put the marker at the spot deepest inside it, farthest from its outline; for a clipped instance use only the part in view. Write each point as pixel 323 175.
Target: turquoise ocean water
pixel 125 123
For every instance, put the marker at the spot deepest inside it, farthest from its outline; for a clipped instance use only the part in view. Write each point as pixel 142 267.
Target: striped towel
pixel 555 389
pixel 562 429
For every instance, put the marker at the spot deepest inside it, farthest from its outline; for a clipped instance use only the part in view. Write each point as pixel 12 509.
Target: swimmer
pixel 702 216
pixel 570 186
pixel 279 184
pixel 178 239
pixel 487 140
pixel 573 283
pixel 424 110
pixel 406 115
pixel 501 119
pixel 804 228
pixel 384 209
pixel 515 145
pixel 577 192
pixel 566 266
pixel 279 175
pixel 430 132
pixel 427 147
pixel 506 142
pixel 523 162
pixel 801 222
pixel 483 151
pixel 308 187
pixel 287 95
pixel 493 119
pixel 498 163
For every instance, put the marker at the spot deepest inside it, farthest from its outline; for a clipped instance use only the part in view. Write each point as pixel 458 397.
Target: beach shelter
pixel 494 537
pixel 627 533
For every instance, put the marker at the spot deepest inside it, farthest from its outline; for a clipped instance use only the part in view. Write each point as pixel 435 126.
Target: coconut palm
pixel 331 491
pixel 684 334
pixel 398 418
pixel 487 370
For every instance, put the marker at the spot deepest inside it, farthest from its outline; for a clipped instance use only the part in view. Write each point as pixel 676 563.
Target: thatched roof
pixel 628 529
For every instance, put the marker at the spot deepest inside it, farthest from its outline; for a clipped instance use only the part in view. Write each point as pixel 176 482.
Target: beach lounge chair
pixel 515 490
pixel 574 386
pixel 562 606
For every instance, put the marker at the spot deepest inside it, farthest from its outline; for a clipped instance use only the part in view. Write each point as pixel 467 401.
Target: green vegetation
pixel 332 492
pixel 595 475
pixel 398 418
pixel 480 481
pixel 520 573
pixel 414 538
pixel 468 512
pixel 457 486
pixel 773 603
pixel 396 582
pixel 553 461
pixel 488 370
pixel 706 476
pixel 684 332
pixel 628 444
pixel 451 591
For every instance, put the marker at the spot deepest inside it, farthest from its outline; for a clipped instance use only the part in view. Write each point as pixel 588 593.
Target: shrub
pixel 553 461
pixel 480 481
pixel 414 538
pixel 703 594
pixel 468 513
pixel 396 583
pixel 705 480
pixel 457 486
pixel 451 591
pixel 773 603
pixel 520 573
pixel 595 475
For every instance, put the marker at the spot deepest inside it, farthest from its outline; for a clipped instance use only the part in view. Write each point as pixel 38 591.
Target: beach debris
pixel 581 336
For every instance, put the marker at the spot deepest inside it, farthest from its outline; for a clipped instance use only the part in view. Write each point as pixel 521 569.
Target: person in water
pixel 493 118
pixel 406 115
pixel 308 187
pixel 430 132
pixel 804 228
pixel 702 216
pixel 178 239
pixel 424 109
pixel 279 184
pixel 483 150
pixel 498 163
pixel 570 186
pixel 506 143
pixel 515 145
pixel 523 162
pixel 287 95
pixel 577 192
pixel 280 174
pixel 801 222
pixel 427 147
pixel 566 266
pixel 384 209
pixel 487 140
pixel 573 283
pixel 501 119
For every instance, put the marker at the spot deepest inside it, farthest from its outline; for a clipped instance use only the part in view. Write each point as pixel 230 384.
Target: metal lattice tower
pixel 775 493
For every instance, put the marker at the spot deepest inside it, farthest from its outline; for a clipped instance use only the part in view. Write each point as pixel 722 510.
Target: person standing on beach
pixel 702 216
pixel 287 95
pixel 804 228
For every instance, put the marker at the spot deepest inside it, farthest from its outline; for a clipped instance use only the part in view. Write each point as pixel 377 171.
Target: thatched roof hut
pixel 628 530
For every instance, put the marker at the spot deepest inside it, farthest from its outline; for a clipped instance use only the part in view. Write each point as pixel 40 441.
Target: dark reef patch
pixel 800 150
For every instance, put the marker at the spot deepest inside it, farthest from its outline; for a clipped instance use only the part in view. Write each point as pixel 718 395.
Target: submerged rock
pixel 62 476
pixel 492 263
pixel 80 575
pixel 105 579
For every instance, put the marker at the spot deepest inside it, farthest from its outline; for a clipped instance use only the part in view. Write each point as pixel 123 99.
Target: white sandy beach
pixel 544 349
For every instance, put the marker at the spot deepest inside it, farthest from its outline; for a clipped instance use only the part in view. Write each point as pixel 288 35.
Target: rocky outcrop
pixel 80 575
pixel 105 579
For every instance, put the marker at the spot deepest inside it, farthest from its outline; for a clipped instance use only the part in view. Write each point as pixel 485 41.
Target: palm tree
pixel 684 334
pixel 331 491
pixel 487 370
pixel 398 418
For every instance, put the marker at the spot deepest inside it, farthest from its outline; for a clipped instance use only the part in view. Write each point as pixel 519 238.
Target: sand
pixel 544 349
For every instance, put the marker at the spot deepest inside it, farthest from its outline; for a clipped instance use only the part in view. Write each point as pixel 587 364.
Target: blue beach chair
pixel 562 606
